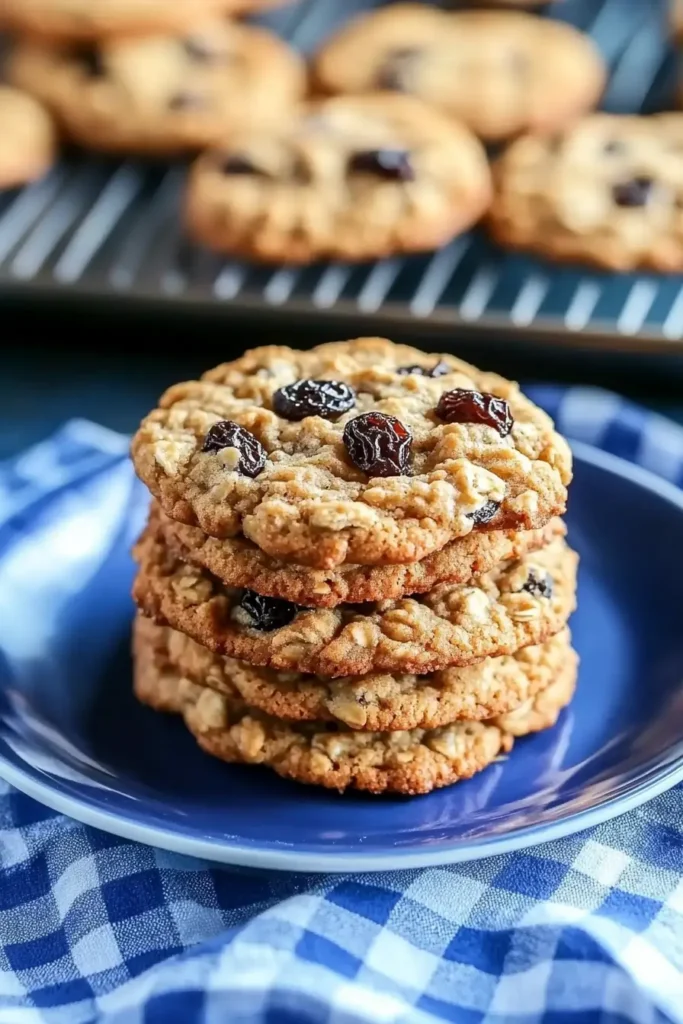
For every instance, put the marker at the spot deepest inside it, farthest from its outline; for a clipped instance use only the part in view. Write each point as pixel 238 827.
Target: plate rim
pixel 252 855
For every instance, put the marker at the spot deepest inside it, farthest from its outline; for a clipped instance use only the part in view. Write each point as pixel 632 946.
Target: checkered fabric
pixel 97 929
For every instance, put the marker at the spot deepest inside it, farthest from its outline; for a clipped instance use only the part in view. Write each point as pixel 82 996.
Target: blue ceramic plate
pixel 72 736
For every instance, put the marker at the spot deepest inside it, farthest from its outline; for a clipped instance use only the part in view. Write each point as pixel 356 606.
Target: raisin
pixel 422 371
pixel 187 101
pixel 395 72
pixel 90 60
pixel 268 613
pixel 614 147
pixel 484 514
pixel 236 164
pixel 463 406
pixel 326 398
pixel 539 584
pixel 301 172
pixel 380 445
pixel 635 192
pixel 228 434
pixel 201 50
pixel 391 164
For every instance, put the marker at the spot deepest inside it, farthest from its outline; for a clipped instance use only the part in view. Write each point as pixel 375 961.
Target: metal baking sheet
pixel 110 230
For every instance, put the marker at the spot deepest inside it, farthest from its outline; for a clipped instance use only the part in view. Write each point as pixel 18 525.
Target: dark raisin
pixel 326 398
pixel 539 584
pixel 90 60
pixel 202 50
pixel 484 514
pixel 463 406
pixel 423 371
pixel 380 445
pixel 187 101
pixel 268 613
pixel 395 72
pixel 228 434
pixel 236 164
pixel 633 193
pixel 392 164
pixel 301 172
pixel 614 147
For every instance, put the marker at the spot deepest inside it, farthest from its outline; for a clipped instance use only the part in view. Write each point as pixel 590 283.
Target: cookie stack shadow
pixel 354 570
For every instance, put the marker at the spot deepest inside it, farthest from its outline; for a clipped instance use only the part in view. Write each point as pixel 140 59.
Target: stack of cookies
pixel 354 570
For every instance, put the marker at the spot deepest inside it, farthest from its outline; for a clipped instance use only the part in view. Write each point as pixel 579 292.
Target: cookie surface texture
pixel 408 762
pixel 351 177
pixel 449 451
pixel 239 563
pixel 516 605
pixel 378 701
pixel 500 72
pixel 164 94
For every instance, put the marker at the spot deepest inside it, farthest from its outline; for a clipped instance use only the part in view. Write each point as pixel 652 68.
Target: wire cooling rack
pixel 111 231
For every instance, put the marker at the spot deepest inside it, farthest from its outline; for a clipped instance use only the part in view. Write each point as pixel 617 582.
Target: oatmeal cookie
pixel 29 145
pixel 521 603
pixel 609 192
pixel 378 701
pixel 352 178
pixel 358 452
pixel 409 762
pixel 163 94
pixel 72 20
pixel 239 563
pixel 500 72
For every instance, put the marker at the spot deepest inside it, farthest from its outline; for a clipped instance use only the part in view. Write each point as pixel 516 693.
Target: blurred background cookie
pixel 164 94
pixel 501 72
pixel 353 177
pixel 608 192
pixel 29 145
pixel 84 19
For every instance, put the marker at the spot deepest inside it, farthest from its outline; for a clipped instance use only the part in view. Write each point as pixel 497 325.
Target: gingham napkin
pixel 99 929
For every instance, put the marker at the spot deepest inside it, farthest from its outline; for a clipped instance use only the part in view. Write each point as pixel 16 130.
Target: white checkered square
pixel 446 893
pixel 97 951
pixel 522 993
pixel 603 864
pixel 401 961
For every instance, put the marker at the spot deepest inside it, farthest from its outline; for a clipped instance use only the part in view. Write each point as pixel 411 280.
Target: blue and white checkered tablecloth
pixel 588 929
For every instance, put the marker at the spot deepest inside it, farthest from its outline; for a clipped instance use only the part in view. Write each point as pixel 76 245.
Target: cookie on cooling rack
pixel 500 72
pixel 349 177
pixel 609 191
pixel 164 94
